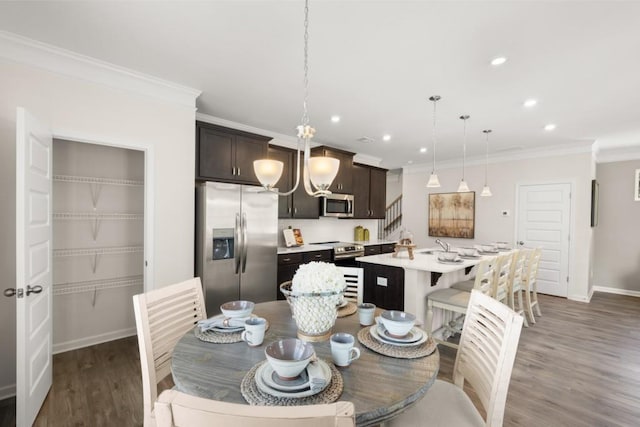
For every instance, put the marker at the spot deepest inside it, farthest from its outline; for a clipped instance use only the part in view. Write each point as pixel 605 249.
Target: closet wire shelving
pixel 95 185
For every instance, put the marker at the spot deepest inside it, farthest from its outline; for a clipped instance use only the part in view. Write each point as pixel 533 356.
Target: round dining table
pixel 379 386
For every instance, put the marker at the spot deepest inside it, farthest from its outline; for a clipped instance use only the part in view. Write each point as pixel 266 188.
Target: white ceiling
pixel 375 63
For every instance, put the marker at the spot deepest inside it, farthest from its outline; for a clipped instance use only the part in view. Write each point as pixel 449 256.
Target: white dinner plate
pixel 488 252
pixel 472 257
pixel 444 261
pixel 271 378
pixel 413 336
pixel 374 333
pixel 265 388
pixel 343 304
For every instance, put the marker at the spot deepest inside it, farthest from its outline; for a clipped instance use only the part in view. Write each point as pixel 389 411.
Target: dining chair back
pixel 529 282
pixel 485 359
pixel 163 316
pixel 503 274
pixel 515 283
pixel 354 276
pixel 176 409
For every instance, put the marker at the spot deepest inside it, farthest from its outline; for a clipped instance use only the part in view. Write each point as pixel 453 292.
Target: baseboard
pixel 579 298
pixel 7 391
pixel 92 340
pixel 616 291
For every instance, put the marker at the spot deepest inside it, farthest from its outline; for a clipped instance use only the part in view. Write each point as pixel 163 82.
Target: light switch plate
pixel 381 281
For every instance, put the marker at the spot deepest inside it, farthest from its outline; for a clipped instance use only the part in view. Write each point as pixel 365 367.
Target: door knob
pixel 34 289
pixel 9 292
pixel 520 242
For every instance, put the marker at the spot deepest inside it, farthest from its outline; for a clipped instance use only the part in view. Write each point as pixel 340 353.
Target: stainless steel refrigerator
pixel 236 243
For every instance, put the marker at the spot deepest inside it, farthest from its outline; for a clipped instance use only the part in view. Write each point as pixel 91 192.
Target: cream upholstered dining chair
pixel 163 316
pixel 530 283
pixel 354 277
pixel 515 283
pixel 485 359
pixel 455 301
pixel 174 408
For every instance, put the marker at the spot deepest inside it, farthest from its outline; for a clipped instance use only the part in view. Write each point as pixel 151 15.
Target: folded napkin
pixel 317 380
pixel 221 322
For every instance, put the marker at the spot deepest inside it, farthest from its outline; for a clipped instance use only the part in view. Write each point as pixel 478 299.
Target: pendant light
pixel 434 182
pixel 318 171
pixel 463 187
pixel 486 191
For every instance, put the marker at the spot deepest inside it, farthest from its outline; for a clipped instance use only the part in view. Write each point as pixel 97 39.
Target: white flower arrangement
pixel 318 277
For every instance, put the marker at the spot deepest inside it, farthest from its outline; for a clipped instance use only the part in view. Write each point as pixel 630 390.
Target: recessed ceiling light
pixel 498 61
pixel 335 119
pixel 386 137
pixel 550 127
pixel 423 150
pixel 530 103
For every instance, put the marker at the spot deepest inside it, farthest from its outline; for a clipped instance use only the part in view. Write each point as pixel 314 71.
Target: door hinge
pixel 567 279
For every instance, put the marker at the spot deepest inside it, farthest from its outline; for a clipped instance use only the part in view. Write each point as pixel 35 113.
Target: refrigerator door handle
pixel 245 244
pixel 238 244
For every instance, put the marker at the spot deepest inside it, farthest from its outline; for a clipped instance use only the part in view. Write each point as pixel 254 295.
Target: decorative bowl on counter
pixel 448 256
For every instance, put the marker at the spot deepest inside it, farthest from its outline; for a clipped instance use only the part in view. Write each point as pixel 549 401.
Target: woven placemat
pixel 254 396
pixel 348 309
pixel 411 352
pixel 216 337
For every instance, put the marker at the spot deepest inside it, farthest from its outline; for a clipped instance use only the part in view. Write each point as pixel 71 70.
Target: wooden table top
pixel 380 387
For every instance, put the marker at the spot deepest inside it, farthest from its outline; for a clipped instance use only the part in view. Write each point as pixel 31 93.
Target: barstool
pixel 456 301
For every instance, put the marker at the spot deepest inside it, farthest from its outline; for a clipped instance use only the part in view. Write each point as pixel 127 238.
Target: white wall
pixel 617 236
pixel 394 185
pixel 79 109
pixel 490 225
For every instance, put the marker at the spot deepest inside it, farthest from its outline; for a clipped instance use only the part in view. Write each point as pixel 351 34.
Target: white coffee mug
pixel 366 313
pixel 342 350
pixel 254 329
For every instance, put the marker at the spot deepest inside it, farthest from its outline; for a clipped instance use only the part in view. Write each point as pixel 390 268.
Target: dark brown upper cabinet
pixel 370 192
pixel 227 155
pixel 343 183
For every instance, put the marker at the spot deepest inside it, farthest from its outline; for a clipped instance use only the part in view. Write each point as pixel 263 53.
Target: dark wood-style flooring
pixel 579 365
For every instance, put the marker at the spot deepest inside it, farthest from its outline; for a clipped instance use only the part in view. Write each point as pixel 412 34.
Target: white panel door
pixel 544 221
pixel 33 267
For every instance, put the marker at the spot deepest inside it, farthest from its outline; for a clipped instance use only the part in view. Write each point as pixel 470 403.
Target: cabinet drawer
pixel 287 259
pixel 317 256
pixel 388 248
pixel 372 250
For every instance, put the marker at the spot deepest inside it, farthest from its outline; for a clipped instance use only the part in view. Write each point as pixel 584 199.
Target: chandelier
pixel 318 172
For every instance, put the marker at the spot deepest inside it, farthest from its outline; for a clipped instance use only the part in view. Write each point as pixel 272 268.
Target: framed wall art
pixel 637 181
pixel 452 215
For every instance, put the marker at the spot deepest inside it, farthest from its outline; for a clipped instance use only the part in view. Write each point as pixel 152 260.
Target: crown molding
pixel 27 51
pixel 616 154
pixel 501 158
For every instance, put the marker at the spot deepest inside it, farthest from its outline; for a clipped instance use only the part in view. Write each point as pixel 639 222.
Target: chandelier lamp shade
pixel 486 191
pixel 434 182
pixel 463 187
pixel 318 172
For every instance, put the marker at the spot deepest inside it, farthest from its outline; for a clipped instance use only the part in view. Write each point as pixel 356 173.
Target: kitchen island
pixel 420 276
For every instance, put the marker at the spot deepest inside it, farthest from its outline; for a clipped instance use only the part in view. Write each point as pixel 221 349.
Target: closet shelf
pixel 96 215
pixel 97 251
pixel 96 285
pixel 94 180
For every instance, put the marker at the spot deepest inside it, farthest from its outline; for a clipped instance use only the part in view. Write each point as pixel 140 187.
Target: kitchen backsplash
pixel 327 229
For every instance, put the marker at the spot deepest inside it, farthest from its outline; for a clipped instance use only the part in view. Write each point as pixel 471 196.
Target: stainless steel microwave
pixel 337 205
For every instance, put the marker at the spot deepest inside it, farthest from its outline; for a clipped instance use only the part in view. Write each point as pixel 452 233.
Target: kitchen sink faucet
pixel 444 245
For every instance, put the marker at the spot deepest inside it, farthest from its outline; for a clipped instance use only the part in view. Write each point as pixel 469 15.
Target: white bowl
pixel 397 323
pixel 289 357
pixel 488 248
pixel 467 251
pixel 448 256
pixel 502 245
pixel 237 308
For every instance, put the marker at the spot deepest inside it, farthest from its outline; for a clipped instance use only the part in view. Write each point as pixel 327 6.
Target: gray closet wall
pixel 98 235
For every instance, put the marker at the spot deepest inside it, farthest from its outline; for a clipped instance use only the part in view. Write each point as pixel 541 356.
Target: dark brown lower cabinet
pixel 288 264
pixel 384 286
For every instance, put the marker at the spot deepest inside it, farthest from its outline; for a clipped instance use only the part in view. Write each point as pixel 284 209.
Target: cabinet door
pixel 360 192
pixel 215 154
pixel 285 274
pixel 304 206
pixel 324 256
pixel 246 151
pixel 344 180
pixel 377 193
pixel 285 155
pixel 372 250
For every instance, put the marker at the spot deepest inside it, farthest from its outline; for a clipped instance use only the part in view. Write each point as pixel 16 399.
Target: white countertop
pixel 303 248
pixel 375 242
pixel 421 261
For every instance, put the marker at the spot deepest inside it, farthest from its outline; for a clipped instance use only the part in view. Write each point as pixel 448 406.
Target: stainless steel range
pixel 344 253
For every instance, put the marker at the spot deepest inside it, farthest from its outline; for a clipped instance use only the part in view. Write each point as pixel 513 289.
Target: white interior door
pixel 33 266
pixel 544 221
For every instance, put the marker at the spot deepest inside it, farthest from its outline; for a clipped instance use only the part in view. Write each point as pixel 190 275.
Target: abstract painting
pixel 452 215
